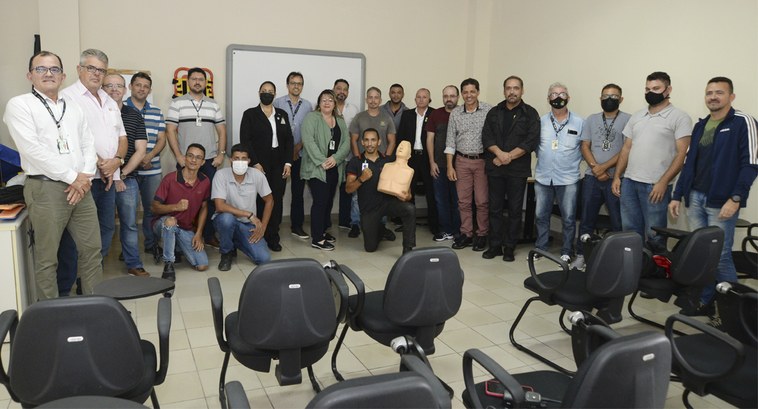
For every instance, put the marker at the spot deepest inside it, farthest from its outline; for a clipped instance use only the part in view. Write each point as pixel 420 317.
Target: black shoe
pixel 492 252
pixel 157 253
pixel 177 257
pixel 388 235
pixel 329 238
pixel 323 245
pixel 399 228
pixel 462 242
pixel 275 247
pixel 299 233
pixel 345 226
pixel 355 231
pixel 480 243
pixel 226 262
pixel 702 310
pixel 407 249
pixel 508 254
pixel 168 271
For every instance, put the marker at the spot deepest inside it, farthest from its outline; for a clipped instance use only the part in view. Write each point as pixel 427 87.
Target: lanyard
pixel 609 129
pixel 57 121
pixel 297 108
pixel 555 124
pixel 197 108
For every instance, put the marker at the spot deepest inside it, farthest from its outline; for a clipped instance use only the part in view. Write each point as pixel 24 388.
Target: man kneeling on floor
pixel 363 176
pixel 180 207
pixel 235 191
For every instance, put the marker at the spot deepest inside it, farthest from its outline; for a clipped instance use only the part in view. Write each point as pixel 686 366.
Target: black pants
pixel 323 198
pixel 371 222
pixel 499 188
pixel 423 183
pixel 297 187
pixel 277 185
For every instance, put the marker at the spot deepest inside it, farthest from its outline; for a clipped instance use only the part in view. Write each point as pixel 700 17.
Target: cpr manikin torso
pixel 396 176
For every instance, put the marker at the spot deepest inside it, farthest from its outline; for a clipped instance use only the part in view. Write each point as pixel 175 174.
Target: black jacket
pixel 256 135
pixel 523 133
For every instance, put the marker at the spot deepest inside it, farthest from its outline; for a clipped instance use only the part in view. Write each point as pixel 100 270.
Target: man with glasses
pixel 602 139
pixel 127 190
pixel 196 118
pixel 58 155
pixel 149 173
pixel 296 108
pixel 181 211
pixel 104 120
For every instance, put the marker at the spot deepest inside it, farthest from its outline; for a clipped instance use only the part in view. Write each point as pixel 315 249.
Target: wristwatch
pixel 120 159
pixel 736 198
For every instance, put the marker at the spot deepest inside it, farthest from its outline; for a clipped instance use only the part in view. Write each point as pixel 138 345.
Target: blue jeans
pixel 233 233
pixel 699 216
pixel 566 197
pixel 638 214
pixel 594 194
pixel 355 211
pixel 126 203
pixel 147 187
pixel 446 198
pixel 175 235
pixel 105 201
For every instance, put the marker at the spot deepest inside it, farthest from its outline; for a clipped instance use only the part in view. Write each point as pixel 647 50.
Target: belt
pixel 418 151
pixel 41 177
pixel 477 156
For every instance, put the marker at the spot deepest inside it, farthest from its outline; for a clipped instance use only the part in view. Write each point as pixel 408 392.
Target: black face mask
pixel 610 104
pixel 654 99
pixel 558 103
pixel 266 98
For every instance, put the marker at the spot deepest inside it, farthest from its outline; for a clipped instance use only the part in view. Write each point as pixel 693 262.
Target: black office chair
pixel 710 361
pixel 288 311
pixel 236 397
pixel 77 346
pixel 625 372
pixel 423 290
pixel 693 266
pixel 612 272
pixel 746 259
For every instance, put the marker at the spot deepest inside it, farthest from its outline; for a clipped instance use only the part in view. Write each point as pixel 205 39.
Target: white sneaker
pixel 566 258
pixel 578 263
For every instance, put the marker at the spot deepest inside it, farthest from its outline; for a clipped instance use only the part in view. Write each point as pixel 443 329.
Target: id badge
pixel 331 145
pixel 555 144
pixel 364 165
pixel 63 147
pixel 198 121
pixel 606 146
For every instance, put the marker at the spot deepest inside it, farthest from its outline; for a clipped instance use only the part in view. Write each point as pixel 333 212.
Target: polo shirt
pixel 154 124
pixel 240 195
pixel 559 166
pixel 382 123
pixel 464 130
pixel 135 129
pixel 437 123
pixel 369 197
pixel 173 188
pixel 184 111
pixel 395 116
pixel 594 131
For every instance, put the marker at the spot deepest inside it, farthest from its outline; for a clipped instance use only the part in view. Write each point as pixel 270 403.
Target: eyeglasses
pixel 325 100
pixel 296 84
pixel 192 157
pixel 43 70
pixel 92 69
pixel 610 96
pixel 557 94
pixel 114 86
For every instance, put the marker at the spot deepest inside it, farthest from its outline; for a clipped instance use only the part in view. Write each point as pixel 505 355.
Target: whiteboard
pixel 248 66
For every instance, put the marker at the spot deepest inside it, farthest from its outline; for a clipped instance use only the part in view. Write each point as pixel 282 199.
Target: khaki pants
pixel 50 214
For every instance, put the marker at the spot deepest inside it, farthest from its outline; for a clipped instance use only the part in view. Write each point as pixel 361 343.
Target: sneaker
pixel 702 310
pixel 442 237
pixel 462 242
pixel 323 245
pixel 138 272
pixel 226 262
pixel 480 243
pixel 566 259
pixel 536 257
pixel 329 238
pixel 168 271
pixel 299 233
pixel 355 231
pixel 578 263
pixel 492 252
pixel 345 227
pixel 388 235
pixel 508 254
pixel 715 322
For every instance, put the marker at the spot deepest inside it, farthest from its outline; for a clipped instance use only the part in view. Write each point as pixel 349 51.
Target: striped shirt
pixel 184 112
pixel 135 129
pixel 154 124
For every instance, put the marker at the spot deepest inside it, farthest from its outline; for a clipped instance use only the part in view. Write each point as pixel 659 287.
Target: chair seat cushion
pixel 739 388
pixel 549 384
pixel 572 295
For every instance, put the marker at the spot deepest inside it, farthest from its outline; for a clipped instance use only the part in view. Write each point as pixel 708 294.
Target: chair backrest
pixel 287 304
pixel 614 268
pixel 416 388
pixel 588 333
pixel 738 310
pixel 74 346
pixel 627 372
pixel 424 287
pixel 696 257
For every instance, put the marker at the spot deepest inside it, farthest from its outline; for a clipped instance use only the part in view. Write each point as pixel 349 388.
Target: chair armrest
pixel 8 322
pixel 750 228
pixel 753 241
pixel 217 309
pixel 562 264
pixel 360 288
pixel 164 329
pixel 673 233
pixel 509 382
pixel 236 398
pixel 341 286
pixel 416 365
pixel 689 371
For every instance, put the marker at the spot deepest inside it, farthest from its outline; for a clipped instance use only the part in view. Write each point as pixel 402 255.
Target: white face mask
pixel 239 167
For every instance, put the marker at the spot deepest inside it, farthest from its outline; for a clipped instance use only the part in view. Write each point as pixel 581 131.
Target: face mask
pixel 239 167
pixel 610 104
pixel 558 103
pixel 654 99
pixel 266 98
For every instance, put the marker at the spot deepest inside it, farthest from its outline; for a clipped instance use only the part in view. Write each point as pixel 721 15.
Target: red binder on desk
pixel 10 211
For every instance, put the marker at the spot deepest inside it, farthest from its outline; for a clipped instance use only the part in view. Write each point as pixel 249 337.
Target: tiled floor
pixel 493 295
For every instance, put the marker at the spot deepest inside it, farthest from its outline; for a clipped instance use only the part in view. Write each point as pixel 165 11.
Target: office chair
pixel 612 272
pixel 423 290
pixel 718 363
pixel 746 259
pixel 625 372
pixel 287 312
pixel 87 345
pixel 693 265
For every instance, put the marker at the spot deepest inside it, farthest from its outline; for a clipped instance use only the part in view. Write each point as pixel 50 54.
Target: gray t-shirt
pixel 240 195
pixel 654 142
pixel 382 123
pixel 606 138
